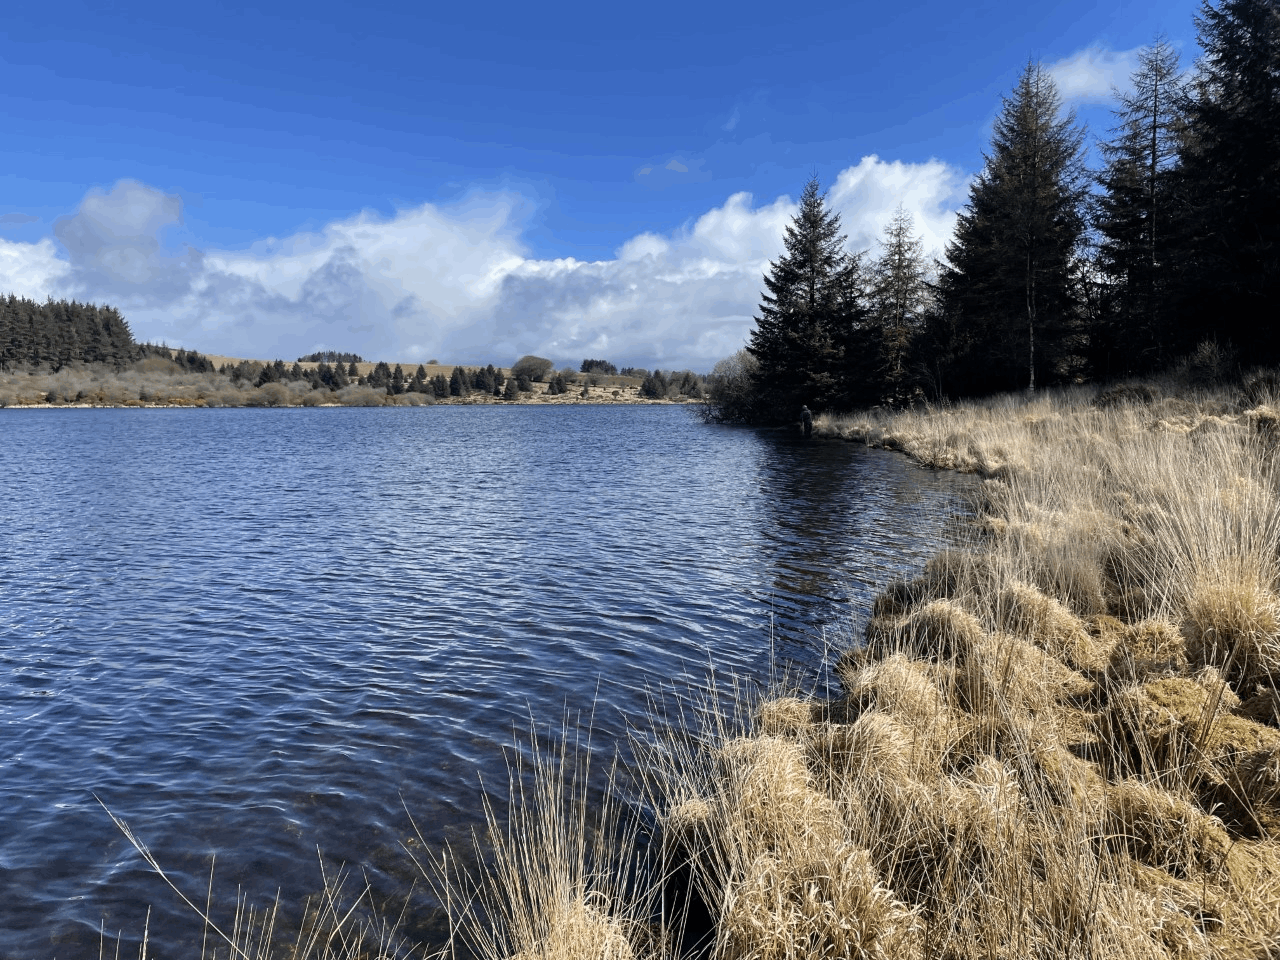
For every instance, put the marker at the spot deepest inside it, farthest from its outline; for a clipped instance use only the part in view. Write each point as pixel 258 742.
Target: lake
pixel 254 633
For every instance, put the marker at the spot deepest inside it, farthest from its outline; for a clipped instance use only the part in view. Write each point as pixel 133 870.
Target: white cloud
pixel 868 194
pixel 454 282
pixel 30 270
pixel 114 244
pixel 1092 74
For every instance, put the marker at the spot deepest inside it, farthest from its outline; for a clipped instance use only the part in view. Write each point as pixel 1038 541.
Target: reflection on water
pixel 256 632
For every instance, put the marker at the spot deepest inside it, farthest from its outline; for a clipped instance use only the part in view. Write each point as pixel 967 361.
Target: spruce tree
pixel 1134 214
pixel 1007 283
pixel 1230 180
pixel 380 376
pixel 459 383
pixel 801 314
pixel 899 297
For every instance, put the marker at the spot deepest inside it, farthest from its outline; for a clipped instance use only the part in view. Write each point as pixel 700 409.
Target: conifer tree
pixel 1230 180
pixel 1134 213
pixel 899 297
pixel 380 376
pixel 655 386
pixel 459 383
pixel 801 314
pixel 1008 279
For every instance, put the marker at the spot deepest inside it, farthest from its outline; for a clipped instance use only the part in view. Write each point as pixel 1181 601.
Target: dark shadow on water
pixel 840 521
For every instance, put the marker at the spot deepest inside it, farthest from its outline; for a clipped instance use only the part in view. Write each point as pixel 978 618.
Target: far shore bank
pixel 156 382
pixel 450 402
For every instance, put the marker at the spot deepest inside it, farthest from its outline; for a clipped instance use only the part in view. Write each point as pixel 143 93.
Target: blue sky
pixel 473 182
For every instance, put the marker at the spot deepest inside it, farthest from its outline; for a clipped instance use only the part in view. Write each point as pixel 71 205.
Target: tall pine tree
pixel 796 341
pixel 1134 215
pixel 899 297
pixel 1007 282
pixel 1230 180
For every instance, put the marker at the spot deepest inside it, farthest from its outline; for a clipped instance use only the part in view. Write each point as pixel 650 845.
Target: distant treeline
pixel 393 381
pixel 57 335
pixel 58 332
pixel 331 356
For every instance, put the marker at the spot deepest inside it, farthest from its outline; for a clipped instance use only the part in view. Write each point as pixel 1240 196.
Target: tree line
pixel 58 332
pixel 331 356
pixel 1055 273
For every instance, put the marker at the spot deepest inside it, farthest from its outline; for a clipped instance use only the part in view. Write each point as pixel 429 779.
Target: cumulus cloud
pixel 683 299
pixel 114 242
pixel 688 298
pixel 867 195
pixel 1093 74
pixel 455 281
pixel 31 270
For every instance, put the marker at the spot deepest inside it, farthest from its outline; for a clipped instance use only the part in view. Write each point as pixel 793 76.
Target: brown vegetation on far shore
pixel 158 382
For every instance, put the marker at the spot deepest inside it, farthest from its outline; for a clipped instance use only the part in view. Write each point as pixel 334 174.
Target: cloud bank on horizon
pixel 454 282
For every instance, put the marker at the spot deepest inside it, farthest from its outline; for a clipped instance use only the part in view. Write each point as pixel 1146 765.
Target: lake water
pixel 252 633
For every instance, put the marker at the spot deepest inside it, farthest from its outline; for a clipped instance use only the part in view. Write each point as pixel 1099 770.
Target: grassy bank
pixel 1059 742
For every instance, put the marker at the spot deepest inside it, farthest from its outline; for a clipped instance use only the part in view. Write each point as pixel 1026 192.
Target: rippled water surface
pixel 252 633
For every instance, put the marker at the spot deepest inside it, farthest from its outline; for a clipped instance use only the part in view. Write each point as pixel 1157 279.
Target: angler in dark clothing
pixel 806 421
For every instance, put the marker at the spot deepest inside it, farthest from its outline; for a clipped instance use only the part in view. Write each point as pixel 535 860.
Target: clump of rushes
pixel 1061 741
pixel 560 873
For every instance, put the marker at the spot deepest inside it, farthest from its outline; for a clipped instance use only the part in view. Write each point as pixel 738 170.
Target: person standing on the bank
pixel 806 421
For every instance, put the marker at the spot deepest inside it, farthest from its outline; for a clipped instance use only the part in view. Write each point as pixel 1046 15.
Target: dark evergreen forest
pixel 1056 273
pixel 56 333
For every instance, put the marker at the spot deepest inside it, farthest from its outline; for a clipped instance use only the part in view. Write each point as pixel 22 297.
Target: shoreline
pixel 452 402
pixel 156 382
